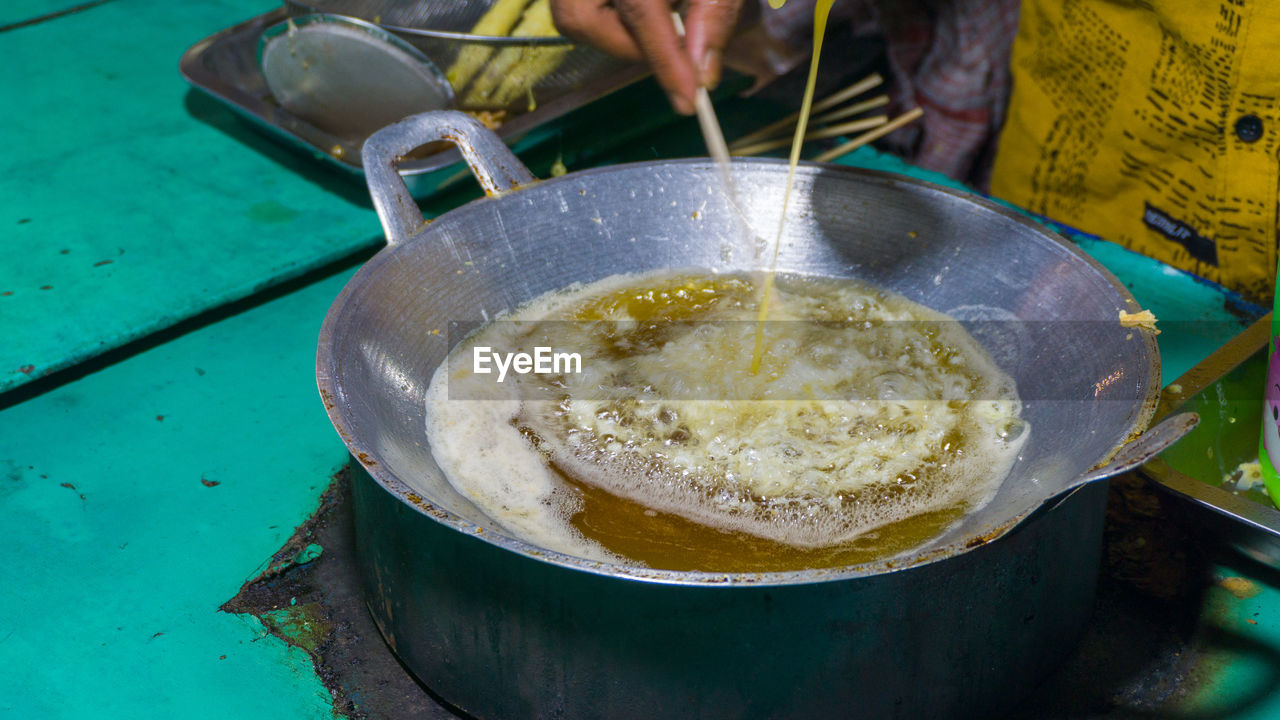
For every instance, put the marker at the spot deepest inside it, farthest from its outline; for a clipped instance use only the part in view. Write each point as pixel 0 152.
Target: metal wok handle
pixel 1145 447
pixel 1150 444
pixel 495 166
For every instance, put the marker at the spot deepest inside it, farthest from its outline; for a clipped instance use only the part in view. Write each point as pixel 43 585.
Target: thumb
pixel 708 26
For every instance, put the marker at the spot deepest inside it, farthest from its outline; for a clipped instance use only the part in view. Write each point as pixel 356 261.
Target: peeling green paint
pixel 300 625
pixel 307 554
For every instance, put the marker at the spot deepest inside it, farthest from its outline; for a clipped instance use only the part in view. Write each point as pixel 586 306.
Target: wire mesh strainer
pixel 441 30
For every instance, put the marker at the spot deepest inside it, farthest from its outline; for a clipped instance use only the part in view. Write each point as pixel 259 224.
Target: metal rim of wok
pixel 327 374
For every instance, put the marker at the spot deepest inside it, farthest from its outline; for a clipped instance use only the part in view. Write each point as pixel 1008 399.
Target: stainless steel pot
pixel 503 629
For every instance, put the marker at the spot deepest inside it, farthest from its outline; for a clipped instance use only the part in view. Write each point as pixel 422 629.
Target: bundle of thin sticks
pixel 825 118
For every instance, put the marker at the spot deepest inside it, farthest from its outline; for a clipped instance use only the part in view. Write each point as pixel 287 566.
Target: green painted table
pixel 141 490
pixel 134 203
pixel 29 12
pixel 127 207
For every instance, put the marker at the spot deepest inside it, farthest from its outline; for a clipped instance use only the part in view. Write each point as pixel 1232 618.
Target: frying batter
pixel 868 410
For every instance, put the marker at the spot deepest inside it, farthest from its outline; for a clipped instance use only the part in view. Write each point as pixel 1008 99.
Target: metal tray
pixel 225 65
pixel 1226 390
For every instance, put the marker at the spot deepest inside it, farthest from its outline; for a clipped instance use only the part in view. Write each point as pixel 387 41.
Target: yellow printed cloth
pixel 1154 124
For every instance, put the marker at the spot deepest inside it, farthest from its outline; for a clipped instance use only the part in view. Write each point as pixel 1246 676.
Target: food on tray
pixel 498 21
pixel 488 77
pixel 873 424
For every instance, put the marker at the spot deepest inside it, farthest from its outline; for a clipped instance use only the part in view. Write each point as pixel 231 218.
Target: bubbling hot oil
pixel 671 542
pixel 873 425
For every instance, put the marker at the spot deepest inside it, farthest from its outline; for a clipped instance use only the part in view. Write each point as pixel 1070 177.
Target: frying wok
pixel 500 628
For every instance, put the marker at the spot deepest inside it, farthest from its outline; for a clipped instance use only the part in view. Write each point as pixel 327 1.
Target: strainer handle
pixel 495 166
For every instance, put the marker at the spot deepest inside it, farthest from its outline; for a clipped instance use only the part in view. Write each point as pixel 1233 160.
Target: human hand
pixel 644 30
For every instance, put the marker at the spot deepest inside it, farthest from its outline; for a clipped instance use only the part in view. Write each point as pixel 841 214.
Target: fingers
pixel 708 26
pixel 595 23
pixel 651 25
pixel 636 29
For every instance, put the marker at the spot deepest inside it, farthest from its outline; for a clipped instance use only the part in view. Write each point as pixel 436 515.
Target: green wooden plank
pixel 118 551
pixel 127 202
pixel 133 203
pixel 1241 638
pixel 19 11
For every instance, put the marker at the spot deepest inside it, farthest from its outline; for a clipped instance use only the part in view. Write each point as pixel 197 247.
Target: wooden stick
pixel 863 139
pixel 713 136
pixel 855 109
pixel 711 132
pixel 833 131
pixel 848 93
